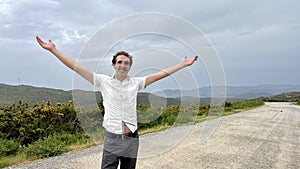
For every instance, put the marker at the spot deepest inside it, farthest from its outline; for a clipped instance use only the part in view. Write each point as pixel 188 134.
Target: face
pixel 122 65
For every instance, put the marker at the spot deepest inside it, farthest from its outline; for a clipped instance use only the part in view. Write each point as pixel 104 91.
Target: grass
pixel 19 158
pixel 22 158
pixel 77 147
pixel 154 129
pixel 236 111
pixel 200 119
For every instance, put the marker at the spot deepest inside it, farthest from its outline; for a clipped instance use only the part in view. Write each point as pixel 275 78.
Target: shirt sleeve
pixel 142 82
pixel 98 79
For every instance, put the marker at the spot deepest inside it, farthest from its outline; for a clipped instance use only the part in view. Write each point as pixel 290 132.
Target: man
pixel 119 99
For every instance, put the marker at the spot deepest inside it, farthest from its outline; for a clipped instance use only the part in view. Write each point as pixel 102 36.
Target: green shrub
pixel 169 115
pixel 29 124
pixel 187 115
pixel 8 147
pixel 69 139
pixel 203 110
pixel 51 146
pixel 242 105
pixel 153 117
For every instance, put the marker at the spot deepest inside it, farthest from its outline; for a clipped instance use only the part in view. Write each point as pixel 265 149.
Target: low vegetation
pixel 44 130
pixel 40 131
pixel 283 97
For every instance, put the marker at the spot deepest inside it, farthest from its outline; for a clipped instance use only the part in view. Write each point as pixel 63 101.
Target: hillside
pixel 236 92
pixel 29 94
pixel 11 94
pixel 283 97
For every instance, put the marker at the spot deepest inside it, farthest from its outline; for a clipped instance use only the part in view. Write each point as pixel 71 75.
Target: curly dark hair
pixel 114 60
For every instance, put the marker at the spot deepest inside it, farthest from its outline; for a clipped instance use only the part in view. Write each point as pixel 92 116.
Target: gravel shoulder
pixel 265 137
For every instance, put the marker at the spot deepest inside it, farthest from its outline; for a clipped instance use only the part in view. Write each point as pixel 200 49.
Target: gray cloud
pixel 258 41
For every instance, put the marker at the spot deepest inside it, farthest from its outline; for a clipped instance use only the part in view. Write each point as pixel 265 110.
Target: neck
pixel 121 77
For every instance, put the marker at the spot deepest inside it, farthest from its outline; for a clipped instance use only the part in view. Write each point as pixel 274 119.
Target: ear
pixel 113 65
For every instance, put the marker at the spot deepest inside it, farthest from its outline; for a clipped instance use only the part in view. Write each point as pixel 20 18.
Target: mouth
pixel 122 70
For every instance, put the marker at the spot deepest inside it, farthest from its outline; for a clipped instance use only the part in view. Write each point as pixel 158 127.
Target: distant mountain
pixel 234 92
pixel 12 94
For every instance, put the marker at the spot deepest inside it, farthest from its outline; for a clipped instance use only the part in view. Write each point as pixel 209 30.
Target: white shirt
pixel 119 101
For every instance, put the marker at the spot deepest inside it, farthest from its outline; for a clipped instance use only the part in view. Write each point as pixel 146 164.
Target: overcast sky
pixel 257 41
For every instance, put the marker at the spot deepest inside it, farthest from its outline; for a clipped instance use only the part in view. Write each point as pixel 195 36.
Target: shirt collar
pixel 115 77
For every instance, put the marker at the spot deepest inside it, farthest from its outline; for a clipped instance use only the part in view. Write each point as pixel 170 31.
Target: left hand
pixel 189 62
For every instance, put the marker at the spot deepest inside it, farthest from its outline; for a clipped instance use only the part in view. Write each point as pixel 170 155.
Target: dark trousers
pixel 120 148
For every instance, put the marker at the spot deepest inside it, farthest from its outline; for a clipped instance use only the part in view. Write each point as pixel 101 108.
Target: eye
pixel 125 62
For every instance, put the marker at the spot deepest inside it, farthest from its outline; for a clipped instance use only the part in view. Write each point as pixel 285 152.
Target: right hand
pixel 48 46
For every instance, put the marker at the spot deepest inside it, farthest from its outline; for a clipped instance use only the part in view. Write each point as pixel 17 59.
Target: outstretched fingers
pixel 193 60
pixel 189 62
pixel 46 45
pixel 196 58
pixel 39 40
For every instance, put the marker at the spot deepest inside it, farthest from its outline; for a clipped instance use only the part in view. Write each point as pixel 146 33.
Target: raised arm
pixel 69 62
pixel 166 72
